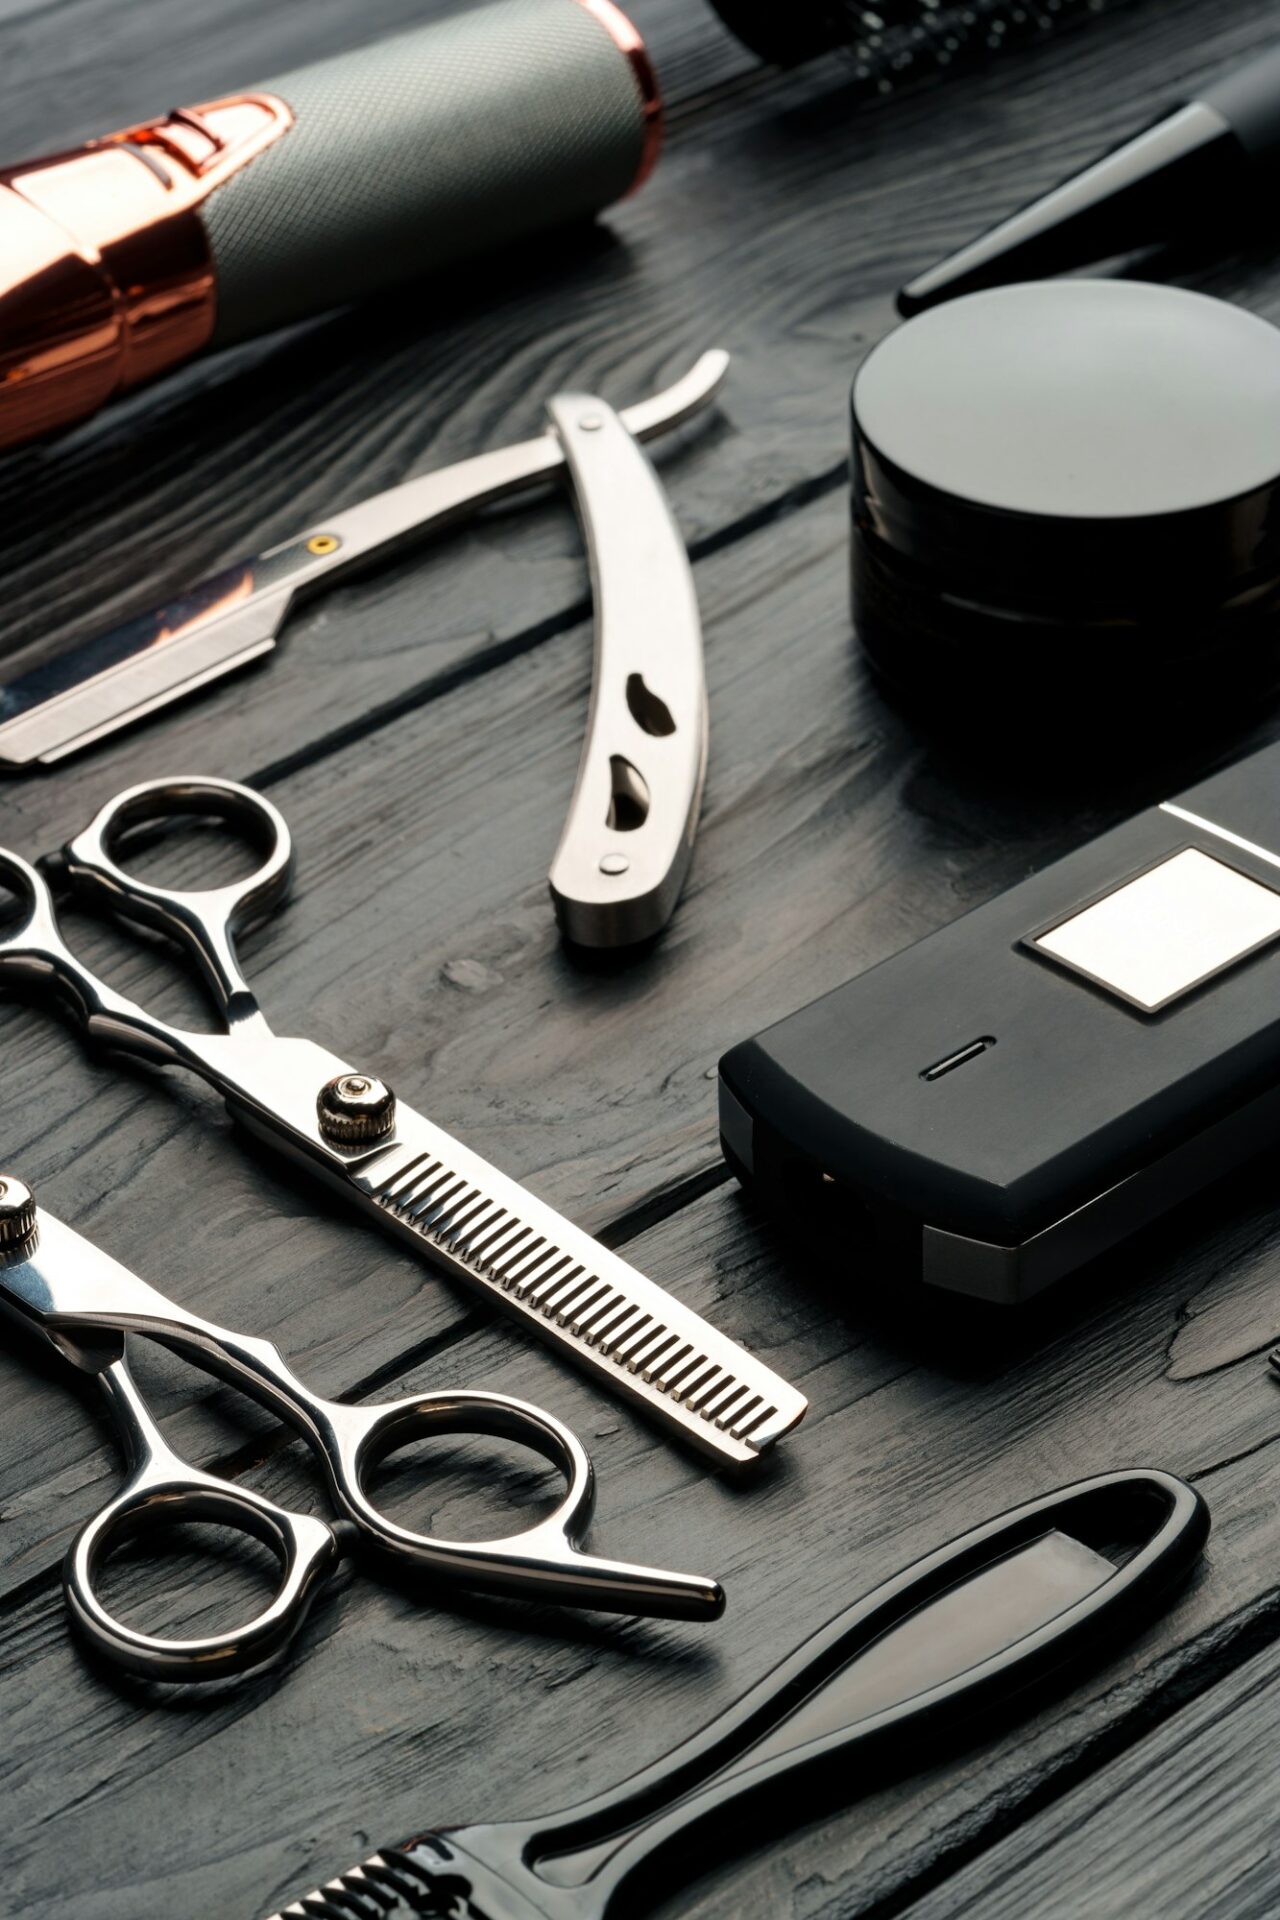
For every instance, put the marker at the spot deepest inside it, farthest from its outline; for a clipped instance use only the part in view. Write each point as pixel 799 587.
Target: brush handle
pixel 951 1638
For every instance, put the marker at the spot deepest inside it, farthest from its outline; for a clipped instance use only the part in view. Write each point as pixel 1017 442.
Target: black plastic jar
pixel 1066 506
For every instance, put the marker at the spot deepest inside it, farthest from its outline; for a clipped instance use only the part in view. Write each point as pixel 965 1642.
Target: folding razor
pixel 629 835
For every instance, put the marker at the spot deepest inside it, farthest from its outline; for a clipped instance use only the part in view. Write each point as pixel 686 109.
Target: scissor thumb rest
pixel 541 1562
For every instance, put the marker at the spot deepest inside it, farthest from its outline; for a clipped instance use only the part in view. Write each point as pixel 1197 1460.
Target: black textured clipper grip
pixel 426 148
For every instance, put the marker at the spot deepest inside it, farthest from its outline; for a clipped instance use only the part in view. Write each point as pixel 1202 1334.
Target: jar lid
pixel 1097 460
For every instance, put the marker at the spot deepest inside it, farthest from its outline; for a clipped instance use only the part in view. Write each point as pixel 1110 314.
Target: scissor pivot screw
pixel 17 1211
pixel 354 1108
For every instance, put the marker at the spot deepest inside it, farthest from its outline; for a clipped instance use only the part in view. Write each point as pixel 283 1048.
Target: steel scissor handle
pixel 545 1561
pixel 203 920
pixel 161 1490
pixel 60 1285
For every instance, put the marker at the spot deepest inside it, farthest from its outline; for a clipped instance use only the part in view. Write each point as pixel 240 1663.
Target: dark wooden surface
pixel 420 730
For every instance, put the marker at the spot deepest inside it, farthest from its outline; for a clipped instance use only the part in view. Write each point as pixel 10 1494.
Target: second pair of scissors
pixel 64 1288
pixel 345 1125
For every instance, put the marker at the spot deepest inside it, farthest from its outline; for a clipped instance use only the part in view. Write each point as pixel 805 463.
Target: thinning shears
pixel 68 1290
pixel 346 1125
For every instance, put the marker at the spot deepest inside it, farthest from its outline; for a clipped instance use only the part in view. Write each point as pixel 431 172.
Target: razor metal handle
pixel 627 842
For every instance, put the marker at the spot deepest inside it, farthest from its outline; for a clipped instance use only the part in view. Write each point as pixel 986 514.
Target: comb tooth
pixel 490 1235
pixel 345 1904
pixel 612 1302
pixel 628 1321
pixel 572 1316
pixel 568 1286
pixel 634 1339
pixel 705 1389
pixel 480 1221
pixel 532 1266
pixel 392 1879
pixel 513 1251
pixel 427 1199
pixel 659 1368
pixel 677 1367
pixel 531 1284
pixel 440 1223
pixel 520 1266
pixel 548 1286
pixel 600 1315
pixel 554 1303
pixel 746 1414
pixel 424 1180
pixel 743 1432
pixel 690 1378
pixel 659 1342
pixel 500 1249
pixel 716 1408
pixel 474 1207
pixel 733 1408
pixel 396 1181
pixel 366 1893
pixel 439 1214
pixel 605 1331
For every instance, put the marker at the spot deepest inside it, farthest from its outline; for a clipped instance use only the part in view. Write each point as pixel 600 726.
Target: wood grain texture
pixel 1197 1792
pixel 420 730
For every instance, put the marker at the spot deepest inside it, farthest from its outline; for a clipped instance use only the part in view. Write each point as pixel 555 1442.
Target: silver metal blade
pixel 488 1230
pixel 107 683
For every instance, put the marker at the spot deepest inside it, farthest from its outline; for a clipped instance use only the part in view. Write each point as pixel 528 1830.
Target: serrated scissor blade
pixel 490 1231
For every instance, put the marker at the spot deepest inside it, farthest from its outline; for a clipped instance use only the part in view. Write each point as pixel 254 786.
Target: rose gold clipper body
pixel 125 258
